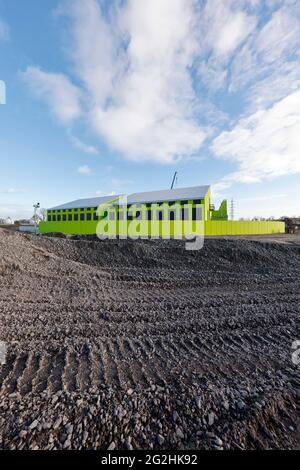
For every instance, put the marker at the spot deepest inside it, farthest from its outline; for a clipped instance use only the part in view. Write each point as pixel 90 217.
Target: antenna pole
pixel 174 179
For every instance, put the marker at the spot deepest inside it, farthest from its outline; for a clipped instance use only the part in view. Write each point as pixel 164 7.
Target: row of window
pixel 148 205
pixel 172 214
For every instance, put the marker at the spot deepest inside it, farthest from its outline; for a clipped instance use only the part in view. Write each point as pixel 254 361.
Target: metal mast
pixel 175 178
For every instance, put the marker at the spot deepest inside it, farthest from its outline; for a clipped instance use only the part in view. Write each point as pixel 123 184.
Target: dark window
pixel 182 214
pixel 54 218
pixel 196 213
pixel 49 218
pixel 95 208
pixel 70 217
pixel 82 209
pixel 64 217
pixel 103 215
pixel 172 215
pixel 148 204
pixel 160 215
pixel 149 215
pixel 95 216
pixel 160 203
pixel 58 218
pixel 128 206
pixel 82 217
pixel 171 203
pixel 64 210
pixel 197 201
pixel 129 217
pixel 183 202
pixel 88 209
pixel 75 217
pixel 89 217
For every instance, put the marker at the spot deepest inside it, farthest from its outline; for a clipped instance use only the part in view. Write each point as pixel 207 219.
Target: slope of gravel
pixel 141 344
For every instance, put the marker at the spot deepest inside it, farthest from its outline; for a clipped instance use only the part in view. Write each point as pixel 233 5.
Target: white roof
pixel 177 194
pixel 194 192
pixel 89 202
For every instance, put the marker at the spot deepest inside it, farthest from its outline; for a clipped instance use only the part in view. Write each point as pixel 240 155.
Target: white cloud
pixel 226 26
pixel 85 170
pixel 8 190
pixel 134 65
pixel 264 145
pixel 4 31
pixel 57 91
pixel 86 148
pixel 16 211
pixel 270 56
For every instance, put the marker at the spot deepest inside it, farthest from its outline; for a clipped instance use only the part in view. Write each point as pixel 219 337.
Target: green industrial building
pixel 177 213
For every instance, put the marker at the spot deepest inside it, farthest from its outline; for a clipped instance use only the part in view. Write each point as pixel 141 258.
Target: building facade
pixel 178 213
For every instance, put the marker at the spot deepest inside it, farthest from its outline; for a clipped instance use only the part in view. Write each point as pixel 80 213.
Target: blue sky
pixel 113 96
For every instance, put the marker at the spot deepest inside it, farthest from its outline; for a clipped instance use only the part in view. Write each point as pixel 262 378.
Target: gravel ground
pixel 143 345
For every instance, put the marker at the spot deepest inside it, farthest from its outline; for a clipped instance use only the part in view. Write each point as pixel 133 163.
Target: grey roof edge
pixel 86 202
pixel 192 192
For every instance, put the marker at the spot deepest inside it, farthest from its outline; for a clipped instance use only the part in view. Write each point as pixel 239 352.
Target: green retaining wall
pixel 245 227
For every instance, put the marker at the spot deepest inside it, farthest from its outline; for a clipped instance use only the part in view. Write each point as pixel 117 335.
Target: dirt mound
pixel 149 340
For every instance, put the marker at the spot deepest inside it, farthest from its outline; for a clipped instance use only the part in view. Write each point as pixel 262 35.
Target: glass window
pixel 75 217
pixel 172 215
pixel 58 218
pixel 54 218
pixel 197 213
pixel 197 201
pixel 149 214
pixel 171 203
pixel 82 209
pixel 82 217
pixel 159 215
pixel 49 218
pixel 64 217
pixel 89 217
pixel 184 214
pixel 95 216
pixel 70 217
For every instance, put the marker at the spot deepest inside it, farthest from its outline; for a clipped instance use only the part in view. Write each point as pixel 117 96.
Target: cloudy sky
pixel 113 96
